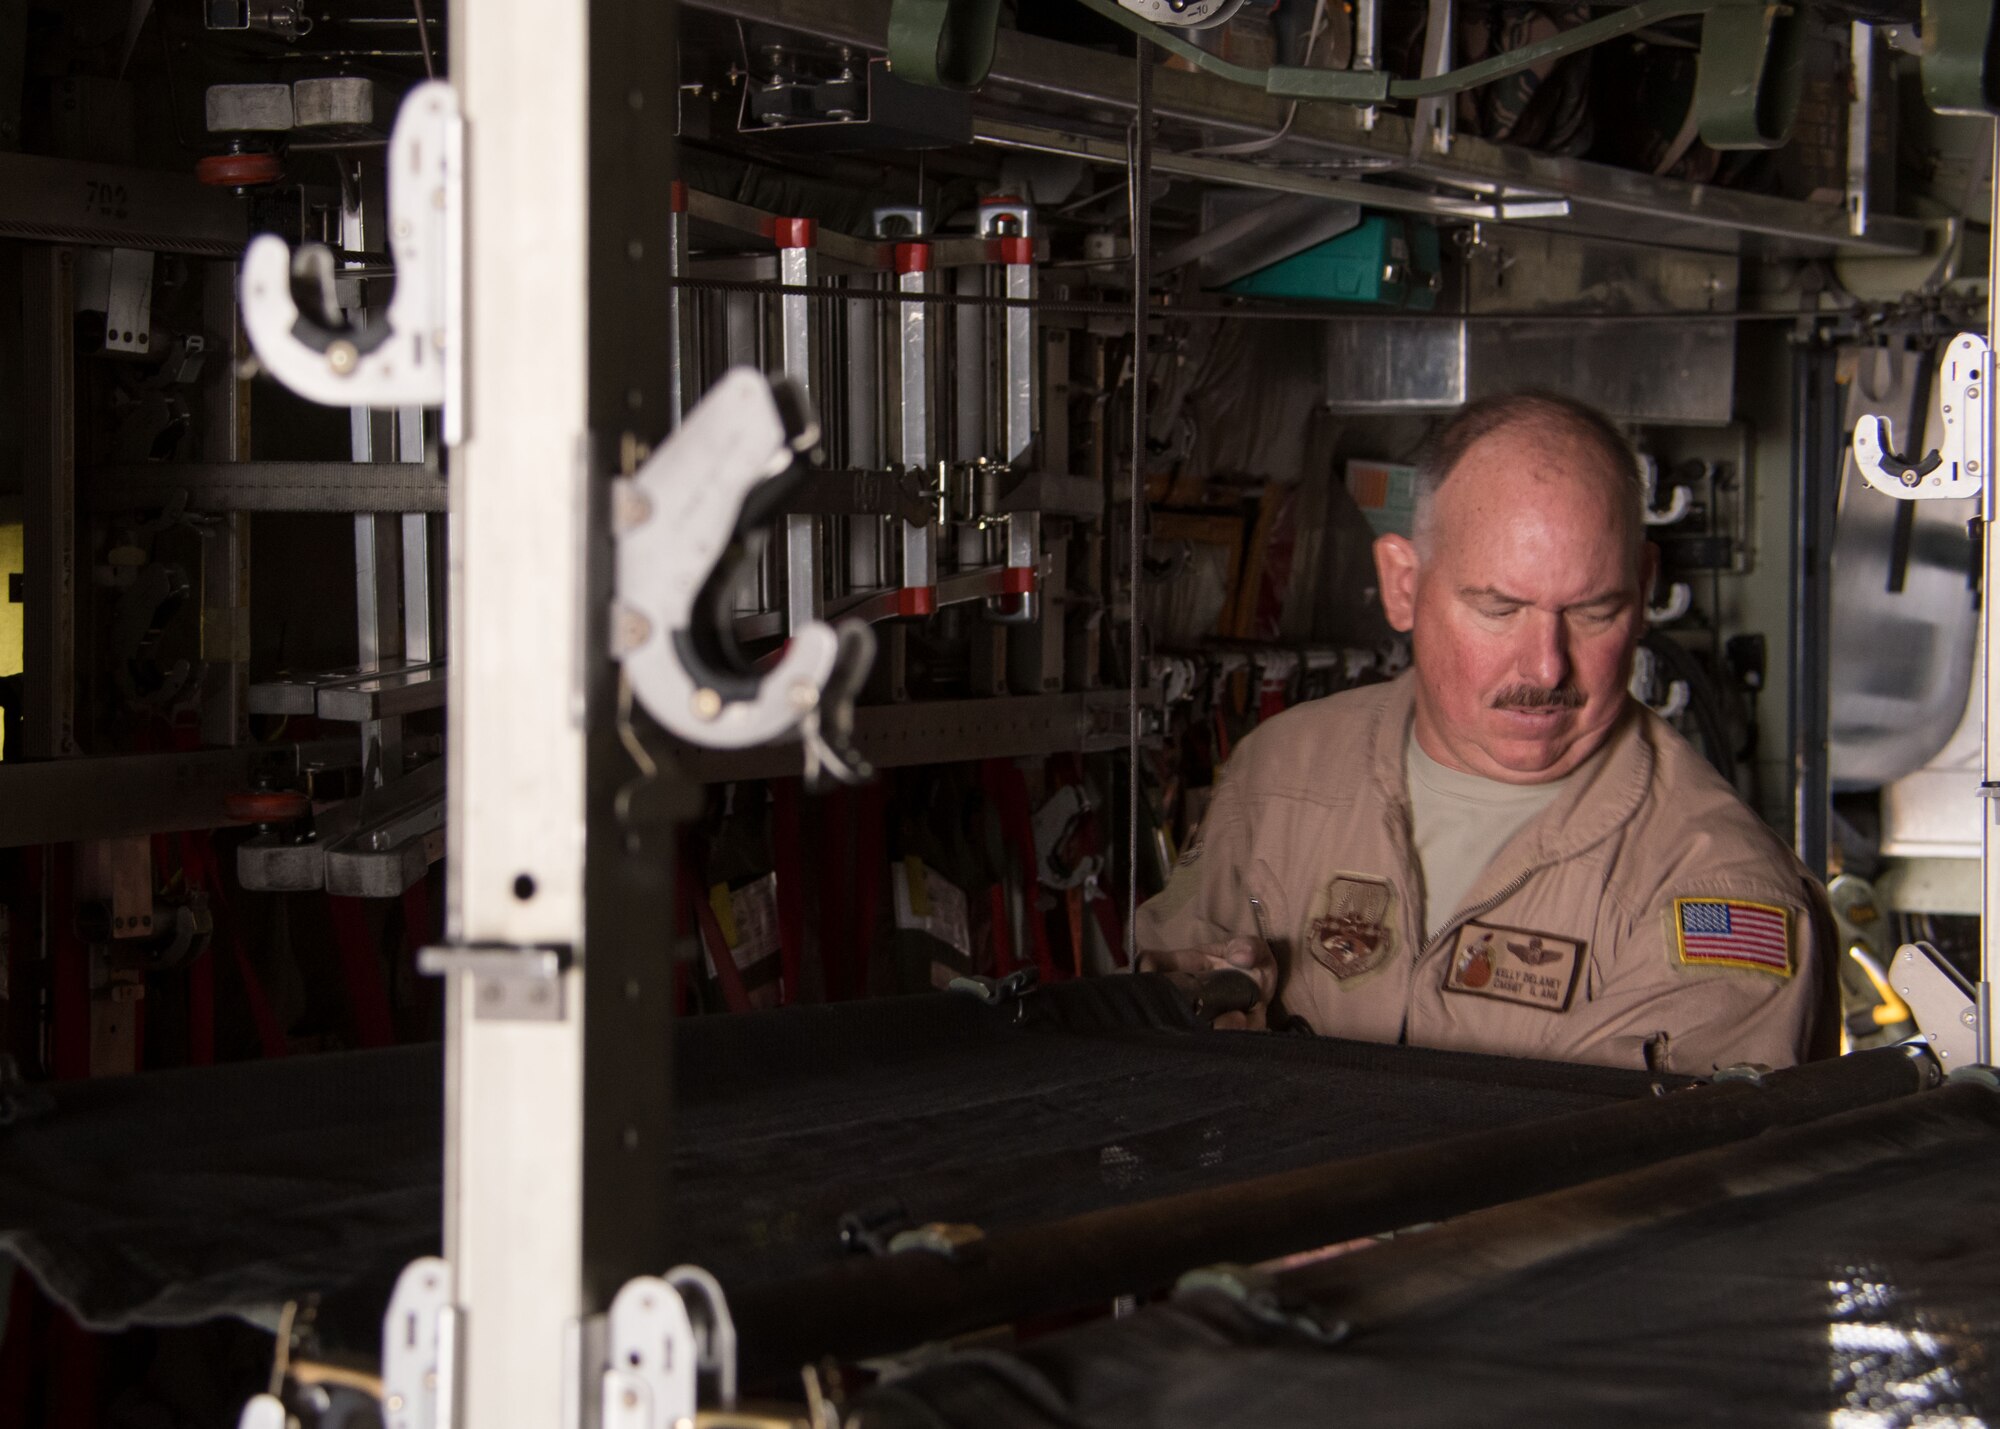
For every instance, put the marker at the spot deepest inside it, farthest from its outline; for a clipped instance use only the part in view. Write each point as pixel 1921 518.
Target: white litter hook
pixel 1678 505
pixel 401 360
pixel 1680 600
pixel 680 523
pixel 1956 467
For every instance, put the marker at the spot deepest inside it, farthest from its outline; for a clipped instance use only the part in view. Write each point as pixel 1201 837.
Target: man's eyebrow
pixel 1494 594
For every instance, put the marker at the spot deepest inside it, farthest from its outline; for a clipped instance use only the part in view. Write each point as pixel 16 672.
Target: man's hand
pixel 1187 966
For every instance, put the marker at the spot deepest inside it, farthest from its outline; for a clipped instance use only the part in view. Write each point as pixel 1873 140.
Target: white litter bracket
pixel 1680 600
pixel 1678 504
pixel 650 1382
pixel 678 520
pixel 402 361
pixel 418 1348
pixel 1956 467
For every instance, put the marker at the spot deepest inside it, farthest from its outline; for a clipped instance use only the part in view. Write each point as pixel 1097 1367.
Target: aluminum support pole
pixel 913 411
pixel 804 599
pixel 1989 571
pixel 1816 446
pixel 557 1105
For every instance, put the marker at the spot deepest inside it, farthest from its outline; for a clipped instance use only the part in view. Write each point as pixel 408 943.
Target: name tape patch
pixel 1733 933
pixel 1514 965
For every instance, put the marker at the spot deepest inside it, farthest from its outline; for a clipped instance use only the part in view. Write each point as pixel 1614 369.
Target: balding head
pixel 1578 439
pixel 1524 590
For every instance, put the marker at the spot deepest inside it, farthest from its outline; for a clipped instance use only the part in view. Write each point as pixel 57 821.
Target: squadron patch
pixel 1350 931
pixel 1514 965
pixel 1732 933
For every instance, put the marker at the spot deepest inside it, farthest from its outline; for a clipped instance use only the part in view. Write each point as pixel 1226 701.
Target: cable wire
pixel 1139 158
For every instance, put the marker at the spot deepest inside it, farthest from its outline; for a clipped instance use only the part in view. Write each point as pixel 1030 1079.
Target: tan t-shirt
pixel 1458 822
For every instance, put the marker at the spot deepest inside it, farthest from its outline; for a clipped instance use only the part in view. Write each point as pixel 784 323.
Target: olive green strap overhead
pixel 1752 67
pixel 1747 86
pixel 947 44
pixel 1379 86
pixel 1961 60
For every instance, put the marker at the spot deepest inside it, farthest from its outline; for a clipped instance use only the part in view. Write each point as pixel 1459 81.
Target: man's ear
pixel 1649 568
pixel 1396 567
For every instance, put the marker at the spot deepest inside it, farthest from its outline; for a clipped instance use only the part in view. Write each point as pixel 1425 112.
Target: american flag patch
pixel 1727 932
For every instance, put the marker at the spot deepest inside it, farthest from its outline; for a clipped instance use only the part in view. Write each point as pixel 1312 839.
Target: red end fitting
pixel 238 171
pixel 913 257
pixel 917 600
pixel 265 806
pixel 1018 580
pixel 795 232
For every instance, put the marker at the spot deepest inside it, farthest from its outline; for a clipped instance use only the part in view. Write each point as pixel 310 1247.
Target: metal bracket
pixel 1680 600
pixel 681 525
pixel 400 362
pixel 1674 695
pixel 420 1349
pixel 898 222
pixel 1942 1004
pixel 1678 504
pixel 510 984
pixel 650 1381
pixel 1954 469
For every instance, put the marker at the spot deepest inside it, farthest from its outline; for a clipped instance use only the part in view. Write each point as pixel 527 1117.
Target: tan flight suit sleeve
pixel 1695 1018
pixel 1205 900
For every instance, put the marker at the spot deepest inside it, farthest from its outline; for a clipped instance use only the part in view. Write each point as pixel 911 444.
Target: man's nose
pixel 1545 659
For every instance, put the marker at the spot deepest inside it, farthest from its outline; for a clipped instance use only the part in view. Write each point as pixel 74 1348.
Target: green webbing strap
pixel 947 44
pixel 1747 86
pixel 1752 67
pixel 1378 86
pixel 1961 61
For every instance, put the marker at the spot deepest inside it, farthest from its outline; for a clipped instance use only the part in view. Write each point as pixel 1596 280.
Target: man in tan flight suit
pixel 1502 851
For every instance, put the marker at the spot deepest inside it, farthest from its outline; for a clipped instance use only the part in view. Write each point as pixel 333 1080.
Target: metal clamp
pixel 995 991
pixel 1664 697
pixel 1678 504
pixel 509 984
pixel 420 1348
pixel 999 218
pixel 898 222
pixel 1680 600
pixel 682 526
pixel 1956 467
pixel 663 1332
pixel 1942 1004
pixel 402 360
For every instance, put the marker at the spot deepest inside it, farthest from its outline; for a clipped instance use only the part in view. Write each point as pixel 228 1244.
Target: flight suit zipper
pixel 1478 911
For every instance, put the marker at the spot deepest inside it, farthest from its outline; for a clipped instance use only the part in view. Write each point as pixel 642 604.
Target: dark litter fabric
pixel 1863 1299
pixel 171 1197
pixel 959 1119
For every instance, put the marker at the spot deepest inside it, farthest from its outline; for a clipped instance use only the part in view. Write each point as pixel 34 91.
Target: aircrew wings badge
pixel 1733 933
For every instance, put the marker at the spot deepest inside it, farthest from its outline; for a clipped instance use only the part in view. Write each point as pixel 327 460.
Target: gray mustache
pixel 1535 697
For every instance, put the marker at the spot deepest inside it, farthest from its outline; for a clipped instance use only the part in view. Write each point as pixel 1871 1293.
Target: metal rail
pixel 62 800
pixel 1036 74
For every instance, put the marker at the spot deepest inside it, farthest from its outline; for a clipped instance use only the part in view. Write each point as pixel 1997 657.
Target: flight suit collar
pixel 1600 799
